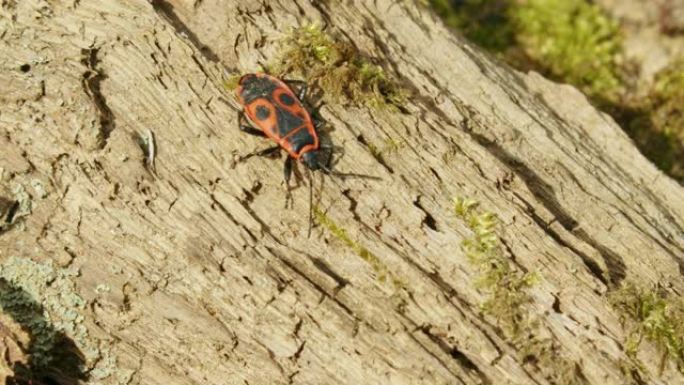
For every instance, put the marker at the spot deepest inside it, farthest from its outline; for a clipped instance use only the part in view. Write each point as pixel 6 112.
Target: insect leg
pixel 252 131
pixel 265 152
pixel 268 151
pixel 287 171
pixel 308 174
pixel 248 129
pixel 303 87
pixel 329 149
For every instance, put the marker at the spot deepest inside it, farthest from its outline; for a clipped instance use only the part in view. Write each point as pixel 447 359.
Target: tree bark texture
pixel 196 274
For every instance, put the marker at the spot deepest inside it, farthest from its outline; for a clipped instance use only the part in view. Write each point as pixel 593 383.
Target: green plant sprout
pixel 389 146
pixel 655 317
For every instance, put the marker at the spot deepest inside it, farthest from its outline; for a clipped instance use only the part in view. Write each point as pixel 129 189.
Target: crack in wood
pixel 318 287
pixel 91 82
pixel 374 153
pixel 428 219
pixel 544 193
pixel 230 216
pixel 593 267
pixel 166 11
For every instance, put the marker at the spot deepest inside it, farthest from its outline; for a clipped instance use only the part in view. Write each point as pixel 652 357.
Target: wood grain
pixel 212 281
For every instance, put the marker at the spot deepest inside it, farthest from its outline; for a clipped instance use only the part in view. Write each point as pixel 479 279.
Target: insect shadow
pixel 53 357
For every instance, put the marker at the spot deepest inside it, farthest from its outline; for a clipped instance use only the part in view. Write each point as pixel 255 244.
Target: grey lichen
pixel 44 300
pixel 23 200
pixel 39 188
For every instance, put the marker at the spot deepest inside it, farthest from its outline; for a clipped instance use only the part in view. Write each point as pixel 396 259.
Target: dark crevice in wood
pixel 468 364
pixel 165 9
pixel 318 287
pixel 512 255
pixel 457 355
pixel 589 262
pixel 556 306
pixel 623 175
pixel 545 194
pixel 459 304
pixel 230 216
pixel 428 219
pixel 91 82
pixel 436 174
pixel 378 157
pixel 435 356
pixel 13 208
pixel 617 270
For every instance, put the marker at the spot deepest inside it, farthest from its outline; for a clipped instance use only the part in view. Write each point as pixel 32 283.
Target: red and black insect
pixel 275 110
pixel 272 106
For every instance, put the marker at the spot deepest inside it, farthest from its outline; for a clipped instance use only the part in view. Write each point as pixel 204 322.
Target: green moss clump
pixel 389 146
pixel 508 297
pixel 338 68
pixel 655 317
pixel 574 40
pixel 506 286
pixel 656 124
pixel 571 40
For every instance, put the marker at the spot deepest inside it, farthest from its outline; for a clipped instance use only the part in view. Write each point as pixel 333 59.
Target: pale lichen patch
pixel 44 299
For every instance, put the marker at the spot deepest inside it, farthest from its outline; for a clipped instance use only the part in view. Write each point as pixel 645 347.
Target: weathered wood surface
pixel 208 280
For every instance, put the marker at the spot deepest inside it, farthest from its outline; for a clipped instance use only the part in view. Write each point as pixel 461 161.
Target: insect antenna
pixel 343 175
pixel 311 180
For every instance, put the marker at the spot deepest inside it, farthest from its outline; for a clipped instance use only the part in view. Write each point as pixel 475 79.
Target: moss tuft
pixel 389 146
pixel 508 297
pixel 655 317
pixel 338 68
pixel 576 42
pixel 506 286
pixel 571 40
pixel 230 83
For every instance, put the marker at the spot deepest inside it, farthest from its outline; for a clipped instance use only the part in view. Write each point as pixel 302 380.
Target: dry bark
pixel 199 276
